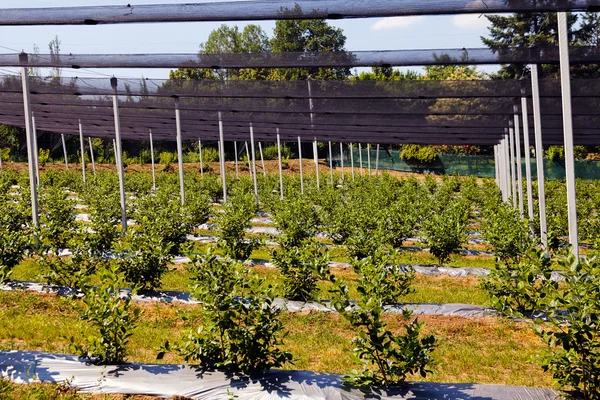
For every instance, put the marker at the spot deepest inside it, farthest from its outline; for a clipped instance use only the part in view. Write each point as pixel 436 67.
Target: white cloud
pixel 470 21
pixel 396 22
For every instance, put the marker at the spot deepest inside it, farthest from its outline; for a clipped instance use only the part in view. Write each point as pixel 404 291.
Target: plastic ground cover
pixel 168 380
pixel 450 309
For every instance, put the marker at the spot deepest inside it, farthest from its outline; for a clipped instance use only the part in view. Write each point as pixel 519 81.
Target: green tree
pixel 386 74
pixel 229 40
pixel 540 29
pixel 307 36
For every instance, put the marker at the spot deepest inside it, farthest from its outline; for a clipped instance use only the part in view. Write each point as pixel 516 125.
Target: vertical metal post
pixel 377 162
pixel 280 166
pixel 116 152
pixel 300 162
pixel 539 153
pixel 222 157
pixel 82 151
pixel 262 159
pixel 330 163
pixel 253 162
pixel 179 150
pixel 352 161
pixel 527 158
pixel 342 158
pixel 496 166
pixel 518 159
pixel 513 175
pixel 508 171
pixel 565 81
pixel 200 154
pixel 64 146
pixel 92 155
pixel 235 150
pixel 152 161
pixel 369 159
pixel 360 159
pixel 119 154
pixel 316 157
pixel 36 151
pixel 29 133
pixel 248 158
pixel 501 170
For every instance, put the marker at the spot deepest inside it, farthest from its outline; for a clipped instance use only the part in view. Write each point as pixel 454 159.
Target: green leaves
pixel 15 235
pixel 445 229
pixel 573 332
pixel 111 314
pixel 506 232
pixel 232 224
pixel 296 217
pixel 522 287
pixel 148 260
pixel 240 330
pixel 382 278
pixel 302 268
pixel 387 358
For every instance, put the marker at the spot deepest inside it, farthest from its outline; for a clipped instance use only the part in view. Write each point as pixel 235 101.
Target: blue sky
pixel 430 32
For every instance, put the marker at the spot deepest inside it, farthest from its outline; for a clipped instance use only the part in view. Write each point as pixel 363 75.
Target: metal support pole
pixel 507 171
pixel 518 159
pixel 527 158
pixel 539 153
pixel 360 159
pixel 82 151
pixel 501 169
pixel 352 161
pixel 222 157
pixel 29 134
pixel 248 158
pixel 496 165
pixel 64 146
pixel 342 159
pixel 330 163
pixel 262 159
pixel 116 152
pixel 119 154
pixel 253 162
pixel 316 157
pixel 92 155
pixel 179 151
pixel 369 158
pixel 235 150
pixel 36 151
pixel 513 172
pixel 565 81
pixel 280 166
pixel 300 162
pixel 377 162
pixel 201 161
pixel 152 161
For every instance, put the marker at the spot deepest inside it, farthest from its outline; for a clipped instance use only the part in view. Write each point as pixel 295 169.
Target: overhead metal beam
pixel 349 59
pixel 273 10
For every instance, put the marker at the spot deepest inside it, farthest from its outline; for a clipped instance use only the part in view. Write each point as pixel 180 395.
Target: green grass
pixel 485 350
pixel 429 289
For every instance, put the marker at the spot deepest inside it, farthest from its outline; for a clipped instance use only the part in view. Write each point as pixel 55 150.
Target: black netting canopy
pixel 426 112
pixel 350 59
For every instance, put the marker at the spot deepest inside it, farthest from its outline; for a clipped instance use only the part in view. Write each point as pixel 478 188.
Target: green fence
pixel 480 166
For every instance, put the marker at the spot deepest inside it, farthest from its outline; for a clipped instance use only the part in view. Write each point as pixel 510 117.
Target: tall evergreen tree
pixel 541 29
